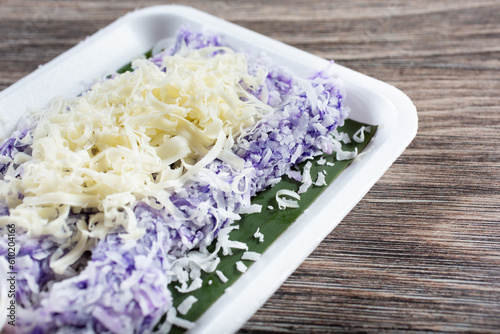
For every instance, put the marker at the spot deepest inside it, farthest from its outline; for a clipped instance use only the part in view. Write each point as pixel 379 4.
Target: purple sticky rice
pixel 122 287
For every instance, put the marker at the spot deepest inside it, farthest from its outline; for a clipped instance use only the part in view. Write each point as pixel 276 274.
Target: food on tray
pixel 116 194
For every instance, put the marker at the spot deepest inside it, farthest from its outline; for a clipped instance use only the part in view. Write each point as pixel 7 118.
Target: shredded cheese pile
pixel 138 135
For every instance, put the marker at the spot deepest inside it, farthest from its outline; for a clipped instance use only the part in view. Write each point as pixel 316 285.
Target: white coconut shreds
pixel 186 305
pixel 241 266
pixel 221 276
pixel 258 235
pixel 283 197
pixel 306 178
pixel 254 208
pixel 174 320
pixel 320 179
pixel 359 136
pixel 105 266
pixel 346 155
pixel 252 256
pixel 321 161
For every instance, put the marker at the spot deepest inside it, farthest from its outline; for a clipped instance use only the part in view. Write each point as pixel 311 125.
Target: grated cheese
pixel 137 135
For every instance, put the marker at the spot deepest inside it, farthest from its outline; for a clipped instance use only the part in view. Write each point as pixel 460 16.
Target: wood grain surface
pixel 421 251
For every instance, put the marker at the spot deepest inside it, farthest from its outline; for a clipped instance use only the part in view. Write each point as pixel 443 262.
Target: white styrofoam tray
pixel 370 100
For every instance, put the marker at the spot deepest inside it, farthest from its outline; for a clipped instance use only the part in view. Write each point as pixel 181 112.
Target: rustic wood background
pixel 421 252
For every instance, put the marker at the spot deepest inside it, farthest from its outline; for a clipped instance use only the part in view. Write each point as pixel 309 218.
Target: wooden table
pixel 421 252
